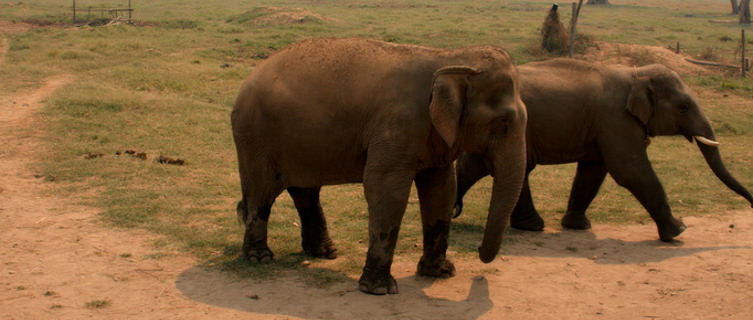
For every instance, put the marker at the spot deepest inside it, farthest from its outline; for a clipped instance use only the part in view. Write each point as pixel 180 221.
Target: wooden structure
pixel 114 14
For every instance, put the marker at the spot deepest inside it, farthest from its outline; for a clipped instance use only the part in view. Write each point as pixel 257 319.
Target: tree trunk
pixel 735 7
pixel 745 11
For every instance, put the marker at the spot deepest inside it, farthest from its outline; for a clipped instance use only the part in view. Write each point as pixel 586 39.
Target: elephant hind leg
pixel 255 247
pixel 315 239
pixel 588 180
pixel 525 216
pixel 260 187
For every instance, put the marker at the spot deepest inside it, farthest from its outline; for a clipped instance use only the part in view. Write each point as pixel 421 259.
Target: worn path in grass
pixel 58 262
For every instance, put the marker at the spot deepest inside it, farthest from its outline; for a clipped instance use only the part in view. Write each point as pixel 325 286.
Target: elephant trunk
pixel 508 173
pixel 710 151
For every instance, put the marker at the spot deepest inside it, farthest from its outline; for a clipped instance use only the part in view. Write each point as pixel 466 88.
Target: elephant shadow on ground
pixel 291 296
pixel 587 244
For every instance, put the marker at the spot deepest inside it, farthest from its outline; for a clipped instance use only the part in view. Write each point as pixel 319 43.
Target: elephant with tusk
pixel 602 116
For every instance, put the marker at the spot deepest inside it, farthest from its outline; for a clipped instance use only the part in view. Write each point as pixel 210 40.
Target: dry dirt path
pixel 57 262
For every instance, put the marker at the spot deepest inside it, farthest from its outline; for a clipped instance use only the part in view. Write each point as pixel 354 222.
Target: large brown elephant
pixel 333 111
pixel 602 116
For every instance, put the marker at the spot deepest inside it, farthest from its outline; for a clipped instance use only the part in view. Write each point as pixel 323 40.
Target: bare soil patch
pixel 615 272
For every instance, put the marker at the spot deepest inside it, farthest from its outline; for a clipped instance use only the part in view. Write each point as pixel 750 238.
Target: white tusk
pixel 706 141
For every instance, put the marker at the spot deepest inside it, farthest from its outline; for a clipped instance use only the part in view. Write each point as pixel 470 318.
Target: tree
pixel 745 11
pixel 735 7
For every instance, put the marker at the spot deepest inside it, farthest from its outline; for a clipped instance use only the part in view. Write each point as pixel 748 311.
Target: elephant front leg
pixel 588 180
pixel 435 189
pixel 315 239
pixel 637 175
pixel 387 191
pixel 525 216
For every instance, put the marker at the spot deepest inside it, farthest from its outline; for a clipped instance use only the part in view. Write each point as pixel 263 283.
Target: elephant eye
pixel 684 108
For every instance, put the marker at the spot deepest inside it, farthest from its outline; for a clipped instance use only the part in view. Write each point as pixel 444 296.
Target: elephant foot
pixel 529 222
pixel 321 249
pixel 576 222
pixel 458 209
pixel 669 230
pixel 377 282
pixel 260 255
pixel 442 269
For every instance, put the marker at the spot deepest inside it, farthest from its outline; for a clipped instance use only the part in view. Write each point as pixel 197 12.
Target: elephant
pixel 334 111
pixel 602 117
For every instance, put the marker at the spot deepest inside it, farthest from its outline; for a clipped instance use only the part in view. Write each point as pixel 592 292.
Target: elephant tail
pixel 242 211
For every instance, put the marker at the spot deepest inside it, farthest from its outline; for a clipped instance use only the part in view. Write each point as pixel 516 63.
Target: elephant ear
pixel 640 102
pixel 448 99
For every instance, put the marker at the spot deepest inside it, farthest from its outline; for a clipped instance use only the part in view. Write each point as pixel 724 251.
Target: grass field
pixel 166 85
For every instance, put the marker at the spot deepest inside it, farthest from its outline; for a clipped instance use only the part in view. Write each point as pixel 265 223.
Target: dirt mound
pixel 640 55
pixel 275 16
pixel 554 38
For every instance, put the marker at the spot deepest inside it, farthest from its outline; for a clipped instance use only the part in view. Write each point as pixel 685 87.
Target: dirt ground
pixel 58 262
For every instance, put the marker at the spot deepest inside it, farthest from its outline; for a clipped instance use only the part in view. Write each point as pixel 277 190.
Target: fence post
pixel 74 12
pixel 129 12
pixel 573 21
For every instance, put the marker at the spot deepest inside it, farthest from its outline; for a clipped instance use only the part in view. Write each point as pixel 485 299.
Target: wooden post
pixel 573 21
pixel 742 53
pixel 677 49
pixel 571 47
pixel 74 11
pixel 129 12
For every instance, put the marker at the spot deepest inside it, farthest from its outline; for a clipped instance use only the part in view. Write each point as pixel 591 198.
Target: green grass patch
pixel 98 304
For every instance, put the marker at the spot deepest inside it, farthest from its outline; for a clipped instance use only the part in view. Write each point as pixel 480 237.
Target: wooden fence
pixel 114 14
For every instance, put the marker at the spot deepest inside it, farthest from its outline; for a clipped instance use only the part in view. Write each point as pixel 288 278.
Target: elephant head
pixel 664 105
pixel 481 112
